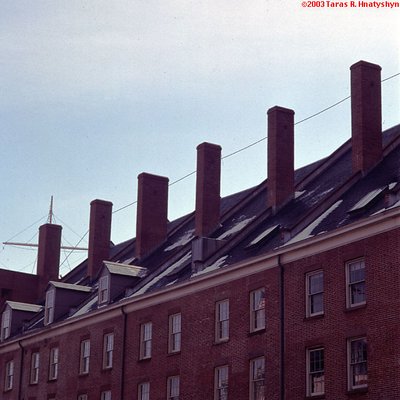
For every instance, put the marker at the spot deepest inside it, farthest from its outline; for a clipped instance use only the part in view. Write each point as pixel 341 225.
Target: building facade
pixel 288 290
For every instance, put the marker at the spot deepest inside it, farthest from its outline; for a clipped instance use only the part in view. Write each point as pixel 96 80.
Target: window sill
pixel 357 391
pixel 83 374
pixel 313 318
pixel 315 397
pixel 356 307
pixel 221 341
pixel 173 353
pixel 144 359
pixel 257 332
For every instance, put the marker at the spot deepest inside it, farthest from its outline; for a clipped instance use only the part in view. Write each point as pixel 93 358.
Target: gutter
pixel 122 380
pixel 281 329
pixel 21 370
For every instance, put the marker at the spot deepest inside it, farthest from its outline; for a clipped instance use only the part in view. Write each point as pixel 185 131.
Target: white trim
pixel 309 295
pixel 349 364
pixel 108 350
pixel 308 371
pixel 174 333
pixel 348 264
pixel 145 340
pixel 218 385
pixel 35 365
pixel 257 310
pixel 222 321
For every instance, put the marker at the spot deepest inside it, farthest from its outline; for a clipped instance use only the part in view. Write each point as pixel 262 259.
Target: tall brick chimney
pixel 280 156
pixel 99 235
pixel 152 213
pixel 208 182
pixel 366 115
pixel 48 262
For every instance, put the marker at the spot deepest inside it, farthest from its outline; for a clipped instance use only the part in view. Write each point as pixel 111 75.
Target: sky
pixel 92 93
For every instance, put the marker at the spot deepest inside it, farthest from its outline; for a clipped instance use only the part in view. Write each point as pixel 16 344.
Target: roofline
pixel 373 225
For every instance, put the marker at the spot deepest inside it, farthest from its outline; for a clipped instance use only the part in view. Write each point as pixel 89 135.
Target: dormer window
pixel 5 324
pixel 104 283
pixel 49 307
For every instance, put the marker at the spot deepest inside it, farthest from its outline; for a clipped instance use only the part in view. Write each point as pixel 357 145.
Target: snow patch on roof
pixel 298 194
pixel 366 199
pixel 262 235
pixel 217 265
pixel 86 307
pixel 307 232
pixel 166 272
pixel 242 222
pixel 184 239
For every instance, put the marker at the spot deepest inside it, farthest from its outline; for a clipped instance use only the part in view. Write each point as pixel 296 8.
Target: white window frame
pixel 53 363
pixel 35 365
pixel 352 363
pixel 312 372
pixel 175 333
pixel 222 320
pixel 145 340
pixel 108 350
pixel 257 378
pixel 144 391
pixel 49 306
pixel 257 310
pixel 6 324
pixel 106 395
pixel 84 358
pixel 221 382
pixel 104 290
pixel 353 283
pixel 173 389
pixel 310 294
pixel 9 375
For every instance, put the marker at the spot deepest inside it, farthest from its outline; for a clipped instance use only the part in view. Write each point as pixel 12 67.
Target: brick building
pixel 284 291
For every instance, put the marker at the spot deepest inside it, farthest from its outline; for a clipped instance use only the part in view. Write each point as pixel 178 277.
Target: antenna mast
pixel 50 217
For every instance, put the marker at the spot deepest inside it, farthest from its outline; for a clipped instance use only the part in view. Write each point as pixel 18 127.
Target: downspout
pixel 122 382
pixel 281 328
pixel 21 370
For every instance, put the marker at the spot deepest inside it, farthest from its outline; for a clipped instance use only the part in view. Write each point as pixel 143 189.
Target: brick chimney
pixel 99 235
pixel 280 156
pixel 48 262
pixel 366 115
pixel 152 213
pixel 208 182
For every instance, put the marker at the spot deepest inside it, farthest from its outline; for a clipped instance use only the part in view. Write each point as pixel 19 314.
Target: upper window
pixel 257 310
pixel 173 388
pixel 315 372
pixel 49 306
pixel 257 379
pixel 104 289
pixel 53 364
pixel 174 342
pixel 357 363
pixel 144 391
pixel 221 383
pixel 106 395
pixel 34 376
pixel 108 349
pixel 145 340
pixel 355 274
pixel 222 321
pixel 84 357
pixel 315 293
pixel 9 375
pixel 5 324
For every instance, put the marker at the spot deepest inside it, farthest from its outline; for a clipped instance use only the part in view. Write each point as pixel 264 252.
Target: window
pixel 145 340
pixel 355 271
pixel 174 342
pixel 49 307
pixel 53 364
pixel 315 293
pixel 257 379
pixel 83 397
pixel 9 375
pixel 34 377
pixel 5 324
pixel 84 357
pixel 108 348
pixel 222 321
pixel 358 372
pixel 257 310
pixel 173 388
pixel 106 395
pixel 144 391
pixel 221 383
pixel 315 372
pixel 103 289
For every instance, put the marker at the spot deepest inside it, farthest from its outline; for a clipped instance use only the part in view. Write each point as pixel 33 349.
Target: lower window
pixel 144 391
pixel 221 383
pixel 257 379
pixel 173 388
pixel 315 372
pixel 358 371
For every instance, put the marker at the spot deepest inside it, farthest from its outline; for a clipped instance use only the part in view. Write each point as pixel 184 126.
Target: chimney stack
pixel 280 156
pixel 208 182
pixel 99 235
pixel 366 115
pixel 48 262
pixel 152 213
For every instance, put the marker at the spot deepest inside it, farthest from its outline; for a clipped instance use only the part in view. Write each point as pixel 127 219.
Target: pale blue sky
pixel 92 93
